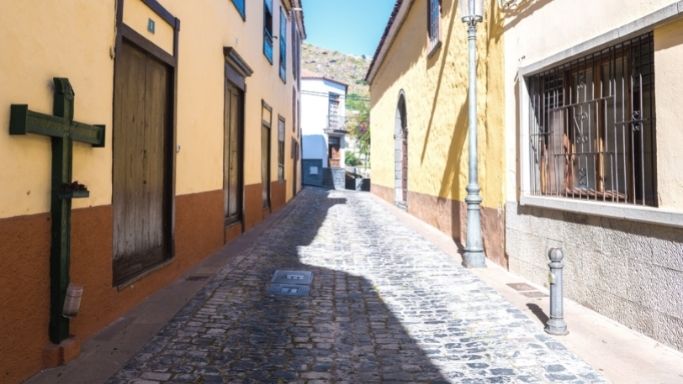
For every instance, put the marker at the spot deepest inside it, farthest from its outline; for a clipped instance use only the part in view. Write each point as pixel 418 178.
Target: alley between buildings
pixel 385 305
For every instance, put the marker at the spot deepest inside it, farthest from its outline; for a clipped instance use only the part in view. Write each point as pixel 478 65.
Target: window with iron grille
pixel 592 128
pixel 268 29
pixel 433 16
pixel 283 45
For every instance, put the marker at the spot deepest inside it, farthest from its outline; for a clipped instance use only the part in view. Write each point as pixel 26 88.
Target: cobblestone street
pixel 385 305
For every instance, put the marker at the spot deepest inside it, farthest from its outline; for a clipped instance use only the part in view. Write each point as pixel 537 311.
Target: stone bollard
pixel 556 325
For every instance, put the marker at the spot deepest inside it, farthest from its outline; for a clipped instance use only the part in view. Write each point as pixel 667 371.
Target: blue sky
pixel 349 26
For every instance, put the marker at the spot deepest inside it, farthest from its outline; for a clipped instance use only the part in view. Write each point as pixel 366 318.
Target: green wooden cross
pixel 63 131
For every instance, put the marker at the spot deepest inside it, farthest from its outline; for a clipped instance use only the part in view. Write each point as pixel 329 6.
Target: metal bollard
pixel 556 325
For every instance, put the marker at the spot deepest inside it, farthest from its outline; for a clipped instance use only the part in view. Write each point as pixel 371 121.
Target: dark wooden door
pixel 232 153
pixel 139 195
pixel 334 158
pixel 295 161
pixel 404 165
pixel 265 164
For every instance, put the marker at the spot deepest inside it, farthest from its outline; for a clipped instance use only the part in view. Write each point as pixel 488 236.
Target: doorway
pixel 141 194
pixel 401 154
pixel 266 123
pixel 233 144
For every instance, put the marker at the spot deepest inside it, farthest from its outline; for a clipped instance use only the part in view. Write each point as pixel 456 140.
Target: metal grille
pixel 592 128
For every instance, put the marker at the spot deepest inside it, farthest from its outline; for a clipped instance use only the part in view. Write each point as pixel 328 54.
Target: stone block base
pixel 55 355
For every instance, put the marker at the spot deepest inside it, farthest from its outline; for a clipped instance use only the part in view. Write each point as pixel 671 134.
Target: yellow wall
pixel 436 93
pixel 668 83
pixel 41 40
pixel 75 39
pixel 204 32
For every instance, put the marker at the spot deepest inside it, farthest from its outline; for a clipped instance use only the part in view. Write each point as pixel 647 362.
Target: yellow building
pixel 199 102
pixel 579 142
pixel 418 89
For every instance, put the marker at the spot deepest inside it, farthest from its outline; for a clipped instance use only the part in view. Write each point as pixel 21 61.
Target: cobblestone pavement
pixel 385 306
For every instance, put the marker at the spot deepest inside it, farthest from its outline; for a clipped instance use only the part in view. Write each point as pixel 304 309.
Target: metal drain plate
pixel 292 277
pixel 287 282
pixel 289 290
pixel 521 287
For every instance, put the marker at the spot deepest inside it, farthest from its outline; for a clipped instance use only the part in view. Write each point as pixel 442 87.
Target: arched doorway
pixel 401 153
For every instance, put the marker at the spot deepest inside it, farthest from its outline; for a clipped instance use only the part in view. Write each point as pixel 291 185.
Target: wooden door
pixel 404 165
pixel 232 153
pixel 295 162
pixel 334 158
pixel 266 121
pixel 140 135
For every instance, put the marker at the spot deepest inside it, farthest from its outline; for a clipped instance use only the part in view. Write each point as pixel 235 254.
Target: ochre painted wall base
pixel 450 217
pixel 24 271
pixel 232 231
pixel 55 355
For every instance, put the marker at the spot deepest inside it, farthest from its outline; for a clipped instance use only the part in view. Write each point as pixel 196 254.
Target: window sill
pixel 641 214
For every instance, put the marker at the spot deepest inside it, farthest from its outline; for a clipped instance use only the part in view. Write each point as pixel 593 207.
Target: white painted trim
pixel 524 162
pixel 393 31
pixel 625 32
pixel 622 211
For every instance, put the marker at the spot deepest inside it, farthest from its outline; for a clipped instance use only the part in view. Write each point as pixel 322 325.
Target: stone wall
pixel 631 272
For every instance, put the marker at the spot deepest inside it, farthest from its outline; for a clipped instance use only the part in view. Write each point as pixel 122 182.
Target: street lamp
pixel 472 12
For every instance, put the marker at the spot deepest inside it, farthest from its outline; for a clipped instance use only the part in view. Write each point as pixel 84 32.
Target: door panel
pixel 265 165
pixel 141 110
pixel 232 183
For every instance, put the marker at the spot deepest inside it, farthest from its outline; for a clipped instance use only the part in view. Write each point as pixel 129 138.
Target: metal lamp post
pixel 472 13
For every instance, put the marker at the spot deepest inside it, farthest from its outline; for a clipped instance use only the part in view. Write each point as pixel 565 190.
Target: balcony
pixel 336 124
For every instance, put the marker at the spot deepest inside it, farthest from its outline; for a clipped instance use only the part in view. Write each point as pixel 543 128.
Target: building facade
pixel 578 138
pixel 323 126
pixel 199 104
pixel 418 90
pixel 592 160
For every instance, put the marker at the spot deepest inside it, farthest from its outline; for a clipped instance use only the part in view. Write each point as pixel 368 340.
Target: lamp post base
pixel 474 259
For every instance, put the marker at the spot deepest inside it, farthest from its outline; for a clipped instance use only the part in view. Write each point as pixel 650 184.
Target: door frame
pixel 401 152
pixel 236 72
pixel 268 203
pixel 131 36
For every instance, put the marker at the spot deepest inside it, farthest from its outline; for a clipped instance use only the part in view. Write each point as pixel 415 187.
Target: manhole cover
pixel 292 277
pixel 289 290
pixel 521 287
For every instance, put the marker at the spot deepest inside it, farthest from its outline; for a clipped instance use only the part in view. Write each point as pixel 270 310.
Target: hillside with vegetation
pixel 350 70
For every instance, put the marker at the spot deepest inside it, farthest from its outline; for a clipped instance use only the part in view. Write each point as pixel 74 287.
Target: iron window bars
pixel 592 126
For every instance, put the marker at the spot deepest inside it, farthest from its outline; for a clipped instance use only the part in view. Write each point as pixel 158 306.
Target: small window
pixel 592 128
pixel 281 149
pixel 283 45
pixel 268 30
pixel 433 17
pixel 239 4
pixel 334 122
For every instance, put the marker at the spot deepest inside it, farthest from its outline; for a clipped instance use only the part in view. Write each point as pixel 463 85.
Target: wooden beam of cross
pixel 63 131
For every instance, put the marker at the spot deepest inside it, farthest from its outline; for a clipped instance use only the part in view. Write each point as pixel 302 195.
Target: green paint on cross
pixel 63 131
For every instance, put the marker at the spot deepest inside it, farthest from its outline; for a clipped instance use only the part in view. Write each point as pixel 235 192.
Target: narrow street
pixel 385 305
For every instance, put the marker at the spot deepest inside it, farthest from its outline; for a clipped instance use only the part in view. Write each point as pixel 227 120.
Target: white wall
pixel 314 109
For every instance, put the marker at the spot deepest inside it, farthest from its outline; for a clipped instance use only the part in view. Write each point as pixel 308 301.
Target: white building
pixel 323 116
